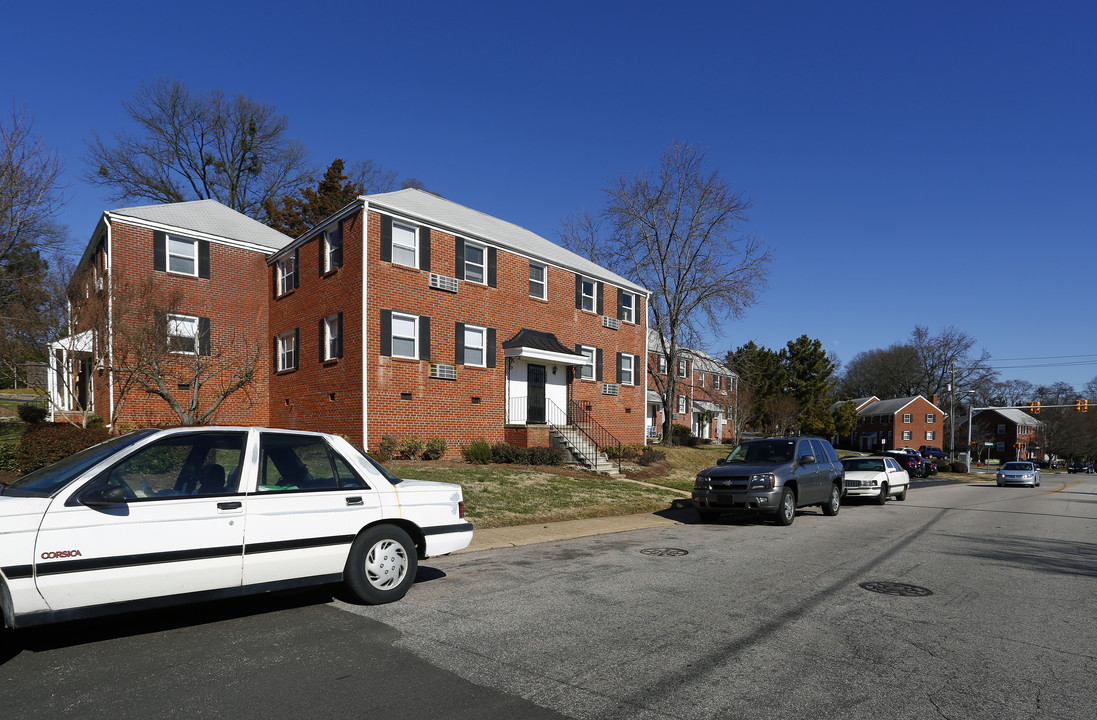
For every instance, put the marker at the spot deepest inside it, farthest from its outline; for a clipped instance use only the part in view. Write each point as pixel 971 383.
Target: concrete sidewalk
pixel 517 535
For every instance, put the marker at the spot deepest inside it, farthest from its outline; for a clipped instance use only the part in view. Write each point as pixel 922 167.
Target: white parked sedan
pixel 876 477
pixel 160 517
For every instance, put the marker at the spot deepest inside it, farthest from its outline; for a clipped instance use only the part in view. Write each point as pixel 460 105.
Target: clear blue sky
pixel 929 163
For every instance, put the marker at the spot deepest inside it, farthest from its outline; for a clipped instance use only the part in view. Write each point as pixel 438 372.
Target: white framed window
pixel 683 367
pixel 628 307
pixel 1001 429
pixel 701 379
pixel 1001 447
pixel 907 419
pixel 661 363
pixel 475 263
pixel 627 374
pixel 333 336
pixel 182 256
pixel 586 371
pixel 183 334
pixel 333 247
pixel 405 245
pixel 589 290
pixel 681 404
pixel 931 434
pixel 906 435
pixel 405 334
pixel 287 350
pixel 287 272
pixel 475 341
pixel 931 418
pixel 538 281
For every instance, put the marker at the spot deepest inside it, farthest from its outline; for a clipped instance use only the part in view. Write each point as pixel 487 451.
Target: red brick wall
pixel 233 297
pixel 321 396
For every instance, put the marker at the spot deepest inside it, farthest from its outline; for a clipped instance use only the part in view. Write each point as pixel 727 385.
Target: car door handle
pixel 356 500
pixel 231 505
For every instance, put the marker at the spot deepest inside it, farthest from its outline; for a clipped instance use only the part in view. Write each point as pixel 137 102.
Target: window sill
pixel 329 273
pixel 284 295
pixel 287 371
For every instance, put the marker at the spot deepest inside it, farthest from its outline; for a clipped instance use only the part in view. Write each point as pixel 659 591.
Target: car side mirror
pixel 807 459
pixel 721 461
pixel 104 497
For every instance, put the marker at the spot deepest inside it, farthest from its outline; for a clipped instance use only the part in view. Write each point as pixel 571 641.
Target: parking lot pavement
pixel 518 535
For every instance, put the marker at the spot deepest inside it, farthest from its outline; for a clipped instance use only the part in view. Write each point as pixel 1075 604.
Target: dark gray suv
pixel 772 475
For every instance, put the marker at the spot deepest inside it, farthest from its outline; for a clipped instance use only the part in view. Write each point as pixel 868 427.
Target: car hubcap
pixel 790 506
pixel 386 564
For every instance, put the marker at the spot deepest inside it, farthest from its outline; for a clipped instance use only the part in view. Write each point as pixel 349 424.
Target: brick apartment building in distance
pixel 706 393
pixel 402 314
pixel 896 423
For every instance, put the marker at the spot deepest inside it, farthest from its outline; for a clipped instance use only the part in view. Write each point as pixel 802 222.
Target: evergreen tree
pixel 811 382
pixel 295 214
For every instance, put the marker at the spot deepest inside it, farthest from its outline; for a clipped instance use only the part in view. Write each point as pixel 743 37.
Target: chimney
pixel 934 399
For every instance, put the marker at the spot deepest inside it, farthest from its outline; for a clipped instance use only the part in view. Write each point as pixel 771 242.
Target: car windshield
pixel 864 464
pixel 46 481
pixel 1017 466
pixel 763 451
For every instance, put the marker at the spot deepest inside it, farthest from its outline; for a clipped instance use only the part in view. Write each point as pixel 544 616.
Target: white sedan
pixel 160 517
pixel 876 477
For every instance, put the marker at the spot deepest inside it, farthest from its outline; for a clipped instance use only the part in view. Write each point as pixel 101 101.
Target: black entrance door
pixel 535 380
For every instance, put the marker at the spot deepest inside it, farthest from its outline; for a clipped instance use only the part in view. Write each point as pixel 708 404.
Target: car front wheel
pixel 382 564
pixel 833 503
pixel 883 497
pixel 786 510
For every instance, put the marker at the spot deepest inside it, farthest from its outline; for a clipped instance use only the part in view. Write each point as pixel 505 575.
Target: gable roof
pixel 858 403
pixel 474 224
pixel 1013 415
pixel 892 406
pixel 208 217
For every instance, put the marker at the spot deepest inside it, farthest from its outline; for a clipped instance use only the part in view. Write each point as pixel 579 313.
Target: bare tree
pixel 783 411
pixel 195 145
pixel 676 232
pixel 31 191
pixel 193 373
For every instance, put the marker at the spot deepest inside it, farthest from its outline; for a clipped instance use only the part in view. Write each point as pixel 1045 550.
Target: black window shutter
pixel 296 346
pixel 337 259
pixel 274 354
pixel 203 336
pixel 598 364
pixel 274 278
pixel 620 362
pixel 203 259
pixel 491 347
pixel 491 267
pixel 386 238
pixel 424 249
pixel 322 247
pixel 620 304
pixel 424 337
pixel 459 258
pixel 459 343
pixel 578 292
pixel 159 251
pixel 339 339
pixel 323 341
pixel 386 333
pixel 601 296
pixel 297 268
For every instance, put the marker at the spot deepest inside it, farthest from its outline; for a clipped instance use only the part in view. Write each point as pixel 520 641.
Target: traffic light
pixel 1085 406
pixel 1077 406
pixel 1036 409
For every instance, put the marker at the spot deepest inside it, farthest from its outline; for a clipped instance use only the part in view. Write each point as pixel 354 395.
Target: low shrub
pixel 9 457
pixel 386 448
pixel 478 452
pixel 650 455
pixel 683 436
pixel 503 453
pixel 51 442
pixel 435 449
pixel 31 414
pixel 545 455
pixel 957 467
pixel 412 447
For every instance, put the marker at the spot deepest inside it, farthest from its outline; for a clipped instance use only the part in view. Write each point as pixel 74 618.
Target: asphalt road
pixel 740 619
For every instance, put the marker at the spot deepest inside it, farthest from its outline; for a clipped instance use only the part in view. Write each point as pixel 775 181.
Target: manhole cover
pixel 895 588
pixel 665 552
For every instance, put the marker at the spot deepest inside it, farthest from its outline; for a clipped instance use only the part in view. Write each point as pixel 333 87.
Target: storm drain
pixel 665 552
pixel 896 588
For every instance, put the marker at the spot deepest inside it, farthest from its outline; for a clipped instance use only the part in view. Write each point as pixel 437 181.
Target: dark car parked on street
pixel 932 451
pixel 910 461
pixel 1079 466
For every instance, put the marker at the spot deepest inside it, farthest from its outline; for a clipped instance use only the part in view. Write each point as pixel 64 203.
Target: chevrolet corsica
pixel 161 517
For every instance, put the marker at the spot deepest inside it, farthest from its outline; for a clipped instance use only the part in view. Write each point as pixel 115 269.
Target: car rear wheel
pixel 833 503
pixel 902 494
pixel 786 510
pixel 883 496
pixel 382 564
